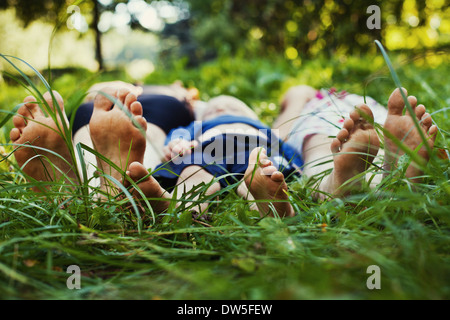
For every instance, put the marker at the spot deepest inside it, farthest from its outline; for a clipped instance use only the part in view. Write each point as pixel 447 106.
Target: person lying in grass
pixel 231 144
pixel 118 137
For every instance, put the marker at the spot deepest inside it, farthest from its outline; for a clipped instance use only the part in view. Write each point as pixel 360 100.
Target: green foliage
pixel 309 28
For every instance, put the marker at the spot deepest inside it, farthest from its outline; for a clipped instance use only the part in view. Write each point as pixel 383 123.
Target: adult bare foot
pixel 354 149
pixel 267 185
pixel 115 135
pixel 402 127
pixel 149 187
pixel 41 140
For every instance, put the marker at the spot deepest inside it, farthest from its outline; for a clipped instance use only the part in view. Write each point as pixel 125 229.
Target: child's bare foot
pixel 265 182
pixel 32 128
pixel 114 134
pixel 402 127
pixel 354 149
pixel 149 187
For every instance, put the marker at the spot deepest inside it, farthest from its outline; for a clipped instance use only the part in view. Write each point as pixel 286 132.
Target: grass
pixel 324 252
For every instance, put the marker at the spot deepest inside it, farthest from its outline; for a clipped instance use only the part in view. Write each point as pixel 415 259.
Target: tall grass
pixel 125 251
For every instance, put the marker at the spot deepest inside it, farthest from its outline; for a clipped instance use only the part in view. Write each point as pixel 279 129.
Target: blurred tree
pixel 56 12
pixel 305 27
pixel 297 28
pixel 30 10
pixel 185 46
pixel 98 34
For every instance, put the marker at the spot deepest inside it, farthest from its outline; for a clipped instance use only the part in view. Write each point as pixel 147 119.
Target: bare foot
pixel 403 128
pixel 32 128
pixel 114 134
pixel 265 182
pixel 149 187
pixel 354 149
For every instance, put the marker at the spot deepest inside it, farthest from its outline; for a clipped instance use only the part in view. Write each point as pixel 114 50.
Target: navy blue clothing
pixel 164 111
pixel 226 155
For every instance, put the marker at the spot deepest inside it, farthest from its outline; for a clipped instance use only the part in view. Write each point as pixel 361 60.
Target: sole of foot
pixel 267 185
pixel 149 187
pixel 354 149
pixel 43 152
pixel 401 125
pixel 114 133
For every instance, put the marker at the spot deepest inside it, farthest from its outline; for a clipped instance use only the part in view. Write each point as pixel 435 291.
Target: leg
pixel 291 107
pixel 402 127
pixel 189 178
pixel 33 129
pixel 193 176
pixel 83 136
pixel 317 155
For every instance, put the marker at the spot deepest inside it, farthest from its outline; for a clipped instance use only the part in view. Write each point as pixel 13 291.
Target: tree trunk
pixel 98 36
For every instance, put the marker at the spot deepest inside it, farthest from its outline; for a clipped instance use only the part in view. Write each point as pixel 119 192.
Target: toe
pixel 121 99
pixel 136 108
pixel 263 159
pixel 277 176
pixel 122 94
pixel 364 113
pixel 56 103
pixel 33 108
pixel 129 100
pixel 355 116
pixel 420 111
pixel 335 146
pixel 24 112
pixel 149 186
pixel 102 100
pixel 142 122
pixel 264 162
pixel 254 156
pixel 269 170
pixel 342 135
pixel 433 132
pixel 14 135
pixel 136 171
pixel 348 125
pixel 426 121
pixel 396 102
pixel 413 103
pixel 19 122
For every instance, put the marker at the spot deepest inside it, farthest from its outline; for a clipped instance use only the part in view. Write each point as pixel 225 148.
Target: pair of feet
pixel 117 133
pixel 354 149
pixel 357 144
